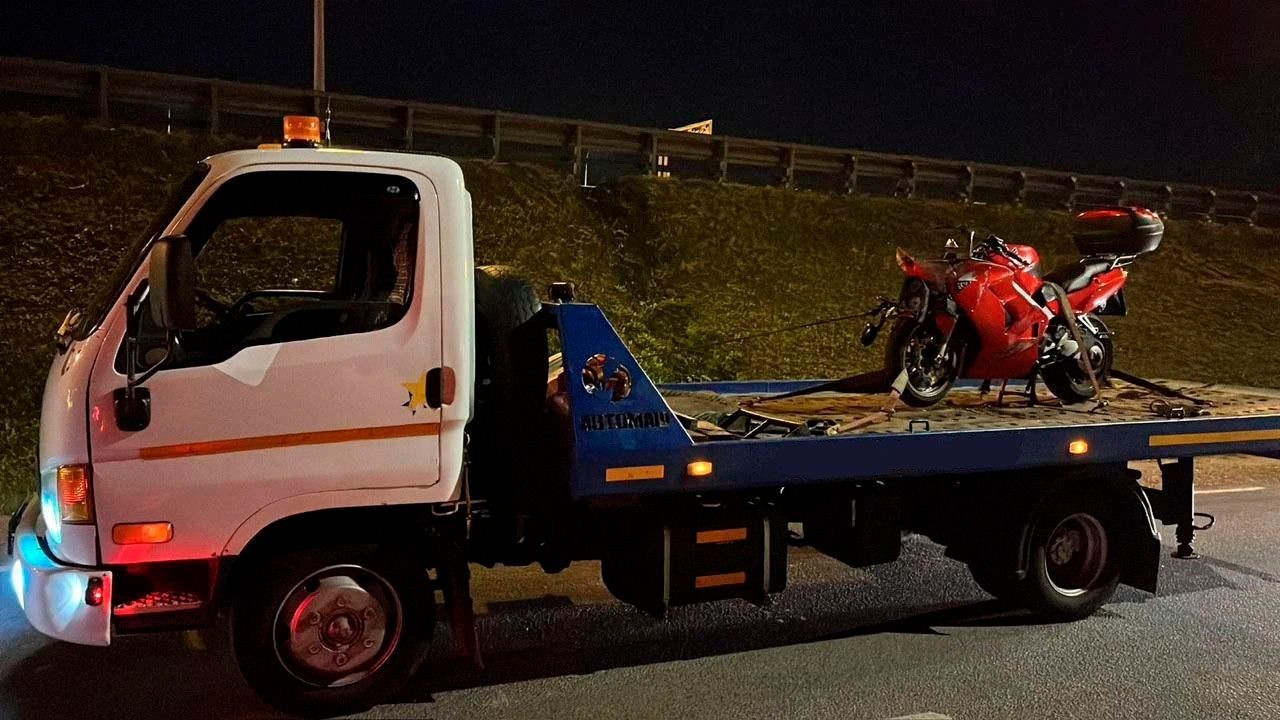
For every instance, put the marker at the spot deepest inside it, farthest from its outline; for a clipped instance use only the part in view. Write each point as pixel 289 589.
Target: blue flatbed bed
pixel 646 442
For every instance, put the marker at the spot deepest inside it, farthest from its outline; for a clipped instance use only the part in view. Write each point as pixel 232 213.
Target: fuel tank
pixel 1027 276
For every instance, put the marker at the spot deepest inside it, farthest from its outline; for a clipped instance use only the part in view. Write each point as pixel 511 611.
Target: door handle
pixel 441 387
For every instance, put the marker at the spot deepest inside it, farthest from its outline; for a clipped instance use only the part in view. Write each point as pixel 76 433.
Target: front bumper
pixel 53 594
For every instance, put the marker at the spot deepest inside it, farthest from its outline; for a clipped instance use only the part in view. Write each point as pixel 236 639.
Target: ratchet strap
pixel 884 414
pixel 1164 408
pixel 1069 317
pixel 869 382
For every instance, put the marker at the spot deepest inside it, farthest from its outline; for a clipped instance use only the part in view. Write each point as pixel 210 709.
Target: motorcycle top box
pixel 1121 232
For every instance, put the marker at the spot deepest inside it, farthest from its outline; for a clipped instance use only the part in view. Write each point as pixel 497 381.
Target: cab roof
pixel 441 170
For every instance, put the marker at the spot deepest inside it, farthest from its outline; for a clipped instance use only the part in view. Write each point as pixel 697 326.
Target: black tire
pixel 1073 565
pixel 512 350
pixel 1070 383
pixel 916 394
pixel 386 588
pixel 1108 353
pixel 511 453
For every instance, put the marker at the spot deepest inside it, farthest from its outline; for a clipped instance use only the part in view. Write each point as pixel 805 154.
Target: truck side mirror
pixel 173 284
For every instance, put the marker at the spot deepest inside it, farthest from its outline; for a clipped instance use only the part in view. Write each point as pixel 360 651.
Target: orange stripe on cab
pixel 268 442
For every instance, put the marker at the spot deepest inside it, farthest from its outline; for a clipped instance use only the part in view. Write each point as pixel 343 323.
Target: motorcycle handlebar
pixel 998 245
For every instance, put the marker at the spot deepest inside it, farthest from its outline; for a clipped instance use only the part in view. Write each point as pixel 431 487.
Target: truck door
pixel 305 384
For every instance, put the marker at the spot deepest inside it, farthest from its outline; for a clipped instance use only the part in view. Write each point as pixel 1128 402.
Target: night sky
pixel 1165 90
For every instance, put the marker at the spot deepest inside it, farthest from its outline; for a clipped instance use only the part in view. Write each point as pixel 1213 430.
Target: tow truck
pixel 308 462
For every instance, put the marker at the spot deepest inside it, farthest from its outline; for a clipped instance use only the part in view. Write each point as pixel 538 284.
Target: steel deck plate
pixel 966 409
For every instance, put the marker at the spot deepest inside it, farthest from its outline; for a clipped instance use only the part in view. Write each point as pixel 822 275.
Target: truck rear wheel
pixel 331 631
pixel 1072 567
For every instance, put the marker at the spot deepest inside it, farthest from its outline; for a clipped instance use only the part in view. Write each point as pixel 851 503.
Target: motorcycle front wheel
pixel 916 348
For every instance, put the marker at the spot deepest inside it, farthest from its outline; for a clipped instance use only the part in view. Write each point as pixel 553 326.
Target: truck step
pixel 158 601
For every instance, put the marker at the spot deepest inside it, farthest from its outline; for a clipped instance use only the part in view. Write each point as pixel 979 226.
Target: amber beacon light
pixel 301 131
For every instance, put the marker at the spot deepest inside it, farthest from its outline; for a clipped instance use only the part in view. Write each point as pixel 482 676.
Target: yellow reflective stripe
pixel 635 472
pixel 1213 437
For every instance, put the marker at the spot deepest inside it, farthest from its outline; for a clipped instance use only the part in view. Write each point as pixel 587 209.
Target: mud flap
pixel 455 580
pixel 1141 550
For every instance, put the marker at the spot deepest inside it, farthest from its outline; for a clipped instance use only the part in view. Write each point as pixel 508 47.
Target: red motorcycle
pixel 991 315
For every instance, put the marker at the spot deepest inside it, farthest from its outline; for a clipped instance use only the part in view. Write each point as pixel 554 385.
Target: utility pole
pixel 317 46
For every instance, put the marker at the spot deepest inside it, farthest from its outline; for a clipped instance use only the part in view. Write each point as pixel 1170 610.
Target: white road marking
pixel 922 716
pixel 1221 491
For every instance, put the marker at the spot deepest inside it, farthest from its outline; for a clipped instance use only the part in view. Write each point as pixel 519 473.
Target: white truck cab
pixel 353 338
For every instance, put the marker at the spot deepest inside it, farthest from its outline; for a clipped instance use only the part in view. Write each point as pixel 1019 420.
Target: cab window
pixel 252 253
pixel 283 256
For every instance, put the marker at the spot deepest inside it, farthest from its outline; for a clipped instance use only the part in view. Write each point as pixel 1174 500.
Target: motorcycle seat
pixel 1077 276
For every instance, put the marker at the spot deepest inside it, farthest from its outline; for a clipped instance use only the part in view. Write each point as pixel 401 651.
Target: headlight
pixel 66 496
pixel 75 494
pixel 915 295
pixel 49 506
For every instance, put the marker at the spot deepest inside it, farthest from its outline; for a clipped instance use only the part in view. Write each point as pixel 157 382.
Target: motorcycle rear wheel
pixel 1070 383
pixel 913 346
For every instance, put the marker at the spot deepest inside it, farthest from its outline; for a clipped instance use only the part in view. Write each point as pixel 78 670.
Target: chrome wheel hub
pixel 928 369
pixel 337 626
pixel 1076 554
pixel 1065 546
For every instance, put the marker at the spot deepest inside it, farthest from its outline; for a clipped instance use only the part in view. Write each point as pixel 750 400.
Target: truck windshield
pixel 96 311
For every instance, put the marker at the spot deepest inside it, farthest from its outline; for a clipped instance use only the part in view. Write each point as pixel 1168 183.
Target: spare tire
pixel 511 372
pixel 511 357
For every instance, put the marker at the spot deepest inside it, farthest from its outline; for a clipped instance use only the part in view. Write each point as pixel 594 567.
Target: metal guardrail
pixel 590 150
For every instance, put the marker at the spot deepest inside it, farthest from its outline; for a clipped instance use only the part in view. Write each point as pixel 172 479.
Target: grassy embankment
pixel 679 266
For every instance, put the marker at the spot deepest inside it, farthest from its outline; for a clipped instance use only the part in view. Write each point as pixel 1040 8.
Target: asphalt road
pixel 915 637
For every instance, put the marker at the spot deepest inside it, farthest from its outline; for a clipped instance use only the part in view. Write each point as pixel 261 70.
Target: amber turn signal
pixel 152 533
pixel 699 468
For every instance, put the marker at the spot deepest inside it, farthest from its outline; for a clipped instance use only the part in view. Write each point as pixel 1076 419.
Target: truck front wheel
pixel 331 630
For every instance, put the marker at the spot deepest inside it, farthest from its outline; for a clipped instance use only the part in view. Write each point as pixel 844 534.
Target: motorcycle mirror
pixel 869 334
